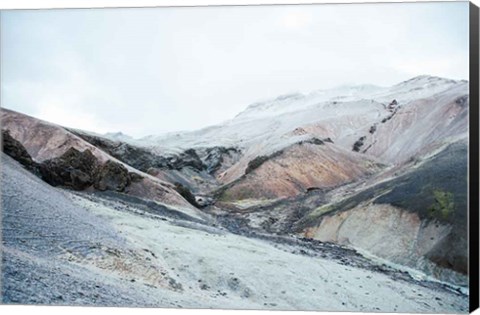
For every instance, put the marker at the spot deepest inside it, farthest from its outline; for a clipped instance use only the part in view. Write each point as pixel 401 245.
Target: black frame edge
pixel 473 160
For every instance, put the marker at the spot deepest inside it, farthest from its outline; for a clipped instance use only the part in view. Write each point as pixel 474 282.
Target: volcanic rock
pixel 16 150
pixel 74 169
pixel 112 176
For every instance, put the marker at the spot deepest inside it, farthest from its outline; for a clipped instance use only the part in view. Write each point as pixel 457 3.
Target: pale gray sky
pixel 148 71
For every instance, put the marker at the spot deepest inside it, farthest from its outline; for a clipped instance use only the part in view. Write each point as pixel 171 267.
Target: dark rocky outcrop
pixel 134 177
pixel 187 194
pixel 17 151
pixel 259 160
pixel 394 111
pixel 255 163
pixel 316 141
pixel 392 105
pixel 462 101
pixel 143 159
pixel 215 157
pixel 313 140
pixel 112 176
pixel 359 143
pixel 140 158
pixel 188 158
pixel 74 169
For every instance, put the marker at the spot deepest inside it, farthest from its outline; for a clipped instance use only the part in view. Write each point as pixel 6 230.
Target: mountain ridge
pixel 314 167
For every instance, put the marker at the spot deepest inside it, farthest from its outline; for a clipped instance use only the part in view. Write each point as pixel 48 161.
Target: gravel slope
pixel 64 248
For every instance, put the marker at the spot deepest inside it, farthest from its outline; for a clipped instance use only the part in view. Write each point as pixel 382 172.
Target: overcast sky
pixel 149 71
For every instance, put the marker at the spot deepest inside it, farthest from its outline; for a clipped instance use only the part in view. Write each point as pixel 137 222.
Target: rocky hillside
pixel 303 166
pixel 64 159
pixel 380 171
pixel 289 177
pixel 65 248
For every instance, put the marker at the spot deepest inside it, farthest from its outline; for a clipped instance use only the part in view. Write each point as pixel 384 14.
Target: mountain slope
pixel 416 219
pixel 397 135
pixel 311 164
pixel 426 110
pixel 45 141
pixel 382 170
pixel 61 248
pixel 421 126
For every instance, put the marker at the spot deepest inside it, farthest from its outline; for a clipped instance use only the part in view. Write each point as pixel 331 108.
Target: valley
pixel 353 198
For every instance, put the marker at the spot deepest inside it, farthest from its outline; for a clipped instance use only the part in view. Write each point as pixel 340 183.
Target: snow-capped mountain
pixel 426 109
pixel 341 111
pixel 356 137
pixel 118 136
pixel 379 171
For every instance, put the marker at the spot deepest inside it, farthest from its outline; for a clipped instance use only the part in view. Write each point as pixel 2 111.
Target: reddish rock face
pixel 44 140
pixel 72 162
pixel 298 168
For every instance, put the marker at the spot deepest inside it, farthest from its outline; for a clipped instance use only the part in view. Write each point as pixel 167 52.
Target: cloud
pixel 296 19
pixel 451 66
pixel 148 71
pixel 53 111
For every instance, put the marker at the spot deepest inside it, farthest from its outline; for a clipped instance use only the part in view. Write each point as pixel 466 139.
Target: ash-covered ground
pixel 77 248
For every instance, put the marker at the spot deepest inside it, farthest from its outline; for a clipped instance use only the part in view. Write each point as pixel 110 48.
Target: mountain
pixel 364 176
pixel 65 248
pixel 46 142
pixel 334 145
pixel 118 136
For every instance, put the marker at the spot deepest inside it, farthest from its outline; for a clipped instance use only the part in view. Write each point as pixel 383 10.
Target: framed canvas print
pixel 309 157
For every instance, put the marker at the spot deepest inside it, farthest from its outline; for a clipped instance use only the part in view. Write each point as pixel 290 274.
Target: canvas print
pixel 280 157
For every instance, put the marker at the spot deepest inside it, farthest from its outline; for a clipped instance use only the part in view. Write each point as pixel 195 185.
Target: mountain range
pixel 366 182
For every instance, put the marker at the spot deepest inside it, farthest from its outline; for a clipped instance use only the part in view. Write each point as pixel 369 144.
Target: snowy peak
pixel 348 91
pixel 418 87
pixel 278 105
pixel 425 81
pixel 342 113
pixel 117 136
pixel 297 101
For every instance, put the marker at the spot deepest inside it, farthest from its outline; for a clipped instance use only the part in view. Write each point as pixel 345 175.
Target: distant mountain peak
pixel 425 79
pixel 117 136
pixel 118 133
pixel 280 98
